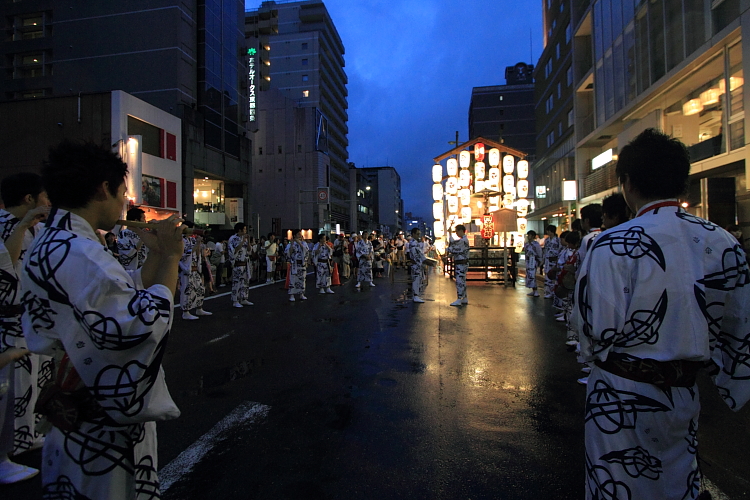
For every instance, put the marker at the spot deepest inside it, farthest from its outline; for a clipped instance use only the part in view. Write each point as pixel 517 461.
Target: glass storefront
pixel 209 201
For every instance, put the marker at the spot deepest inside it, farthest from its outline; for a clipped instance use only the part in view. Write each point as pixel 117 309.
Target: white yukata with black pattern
pixel 132 256
pixel 363 250
pixel 459 249
pixel 298 254
pixel 666 286
pixel 323 254
pixel 533 252
pixel 79 300
pixel 192 289
pixel 552 249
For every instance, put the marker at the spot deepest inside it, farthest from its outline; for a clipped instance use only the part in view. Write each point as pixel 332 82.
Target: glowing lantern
pixel 465 159
pixel 522 223
pixel 438 229
pixel 437 192
pixel 451 185
pixel 479 170
pixel 440 246
pixel 452 167
pixel 453 204
pixel 523 169
pixel 494 201
pixel 437 210
pixel 523 188
pixel 523 211
pixel 479 185
pixel 508 183
pixel 734 83
pixel 494 157
pixel 465 196
pixel 466 215
pixel 494 178
pixel 437 173
pixel 479 151
pixel 509 162
pixel 692 107
pixel 464 178
pixel 519 243
pixel 507 201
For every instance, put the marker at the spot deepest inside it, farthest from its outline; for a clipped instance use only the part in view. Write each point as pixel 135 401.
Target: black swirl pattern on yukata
pixel 712 312
pixel 584 307
pixel 694 480
pixel 101 448
pixel 634 243
pixel 23 439
pixel 692 219
pixel 146 480
pixel 147 307
pixel 39 310
pixel 643 325
pixel 613 410
pixel 602 485
pixel 8 287
pixel 47 256
pixel 105 332
pixel 21 404
pixel 10 330
pixel 62 489
pixel 636 462
pixel 734 272
pixel 735 353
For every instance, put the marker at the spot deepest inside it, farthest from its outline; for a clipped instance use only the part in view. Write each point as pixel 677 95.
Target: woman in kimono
pixel 658 298
pixel 107 329
pixel 533 252
pixel 363 249
pixel 192 289
pixel 552 249
pixel 322 254
pixel 297 254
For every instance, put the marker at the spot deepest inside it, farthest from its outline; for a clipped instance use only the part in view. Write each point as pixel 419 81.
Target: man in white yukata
pixel 131 249
pixel 552 249
pixel 657 298
pixel 533 251
pixel 415 254
pixel 22 193
pixel 365 256
pixel 192 289
pixel 591 221
pixel 459 249
pixel 297 253
pixel 322 255
pixel 10 332
pixel 238 251
pixel 107 329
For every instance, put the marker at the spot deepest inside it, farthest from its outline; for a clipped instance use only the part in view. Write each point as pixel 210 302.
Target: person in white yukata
pixel 22 193
pixel 10 333
pixel 552 249
pixel 297 254
pixel 591 221
pixel 322 255
pixel 533 251
pixel 238 250
pixel 192 289
pixel 131 249
pixel 107 329
pixel 415 254
pixel 459 249
pixel 365 255
pixel 657 298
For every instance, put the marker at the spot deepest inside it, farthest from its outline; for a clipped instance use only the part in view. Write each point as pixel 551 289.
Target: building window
pixel 299 148
pixel 557 51
pixel 562 6
pixel 305 78
pixel 304 62
pixel 550 103
pixel 502 112
pixel 152 138
pixel 568 33
pixel 502 126
pixel 305 93
pixel 501 98
pixel 548 68
pixel 32 59
pixel 550 138
pixel 570 76
pixel 559 129
pixel 559 90
pixel 279 149
pixel 304 45
pixel 31 94
pixel 571 118
pixel 260 152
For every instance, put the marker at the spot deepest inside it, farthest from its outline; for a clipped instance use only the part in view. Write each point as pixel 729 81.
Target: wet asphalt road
pixel 368 396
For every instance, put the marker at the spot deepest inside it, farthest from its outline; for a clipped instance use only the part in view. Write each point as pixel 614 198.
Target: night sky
pixel 411 66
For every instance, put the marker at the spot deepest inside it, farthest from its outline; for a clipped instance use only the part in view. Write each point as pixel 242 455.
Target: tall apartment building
pixel 388 205
pixel 505 113
pixel 184 57
pixel 674 65
pixel 555 142
pixel 296 70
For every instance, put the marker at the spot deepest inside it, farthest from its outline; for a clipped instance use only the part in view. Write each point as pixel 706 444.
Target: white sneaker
pixel 548 296
pixel 583 381
pixel 302 297
pixel 561 319
pixel 372 284
pixel 246 303
pixel 456 302
pixel 571 342
pixel 328 290
pixel 322 290
pixel 291 298
pixel 11 472
pixel 236 304
pixel 533 294
pixel 201 312
pixel 357 285
pixel 187 315
pixel 417 299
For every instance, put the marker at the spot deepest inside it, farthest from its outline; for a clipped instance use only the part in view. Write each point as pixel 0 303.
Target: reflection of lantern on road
pixel 453 204
pixel 438 229
pixel 479 170
pixel 437 210
pixel 508 183
pixel 452 167
pixel 437 173
pixel 523 188
pixel 479 151
pixel 451 185
pixel 437 192
pixel 523 169
pixel 509 163
pixel 465 196
pixel 466 215
pixel 465 178
pixel 465 158
pixel 494 157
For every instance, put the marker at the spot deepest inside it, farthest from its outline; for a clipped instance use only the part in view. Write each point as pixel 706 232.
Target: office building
pixel 362 201
pixel 388 205
pixel 298 106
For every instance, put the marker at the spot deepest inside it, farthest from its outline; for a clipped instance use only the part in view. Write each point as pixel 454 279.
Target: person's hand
pixel 165 238
pixel 16 353
pixel 34 216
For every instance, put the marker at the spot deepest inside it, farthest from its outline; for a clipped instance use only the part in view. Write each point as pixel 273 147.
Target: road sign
pixel 323 195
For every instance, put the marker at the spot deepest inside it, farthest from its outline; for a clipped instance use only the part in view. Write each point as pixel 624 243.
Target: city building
pixel 388 205
pixel 186 58
pixel 505 113
pixel 412 221
pixel 676 66
pixel 361 201
pixel 298 105
pixel 146 137
pixel 555 117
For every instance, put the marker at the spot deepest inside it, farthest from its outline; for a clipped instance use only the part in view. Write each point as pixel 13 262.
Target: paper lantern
pixel 519 243
pixel 507 201
pixel 479 170
pixel 508 183
pixel 512 192
pixel 437 210
pixel 437 173
pixel 479 185
pixel 523 169
pixel 523 211
pixel 464 179
pixel 464 195
pixel 464 158
pixel 453 204
pixel 437 192
pixel 479 151
pixel 438 228
pixel 452 167
pixel 523 188
pixel 494 201
pixel 509 162
pixel 692 107
pixel 522 223
pixel 494 157
pixel 466 215
pixel 451 185
pixel 494 177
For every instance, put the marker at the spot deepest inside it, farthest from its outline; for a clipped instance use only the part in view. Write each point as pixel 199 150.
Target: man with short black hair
pixel 552 248
pixel 459 249
pixel 591 221
pixel 107 329
pixel 615 211
pixel 238 251
pixel 415 254
pixel 131 249
pixel 658 297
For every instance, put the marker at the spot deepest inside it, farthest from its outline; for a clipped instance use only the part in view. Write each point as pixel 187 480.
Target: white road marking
pixel 177 306
pixel 245 414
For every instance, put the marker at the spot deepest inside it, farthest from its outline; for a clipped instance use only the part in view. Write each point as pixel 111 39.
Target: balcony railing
pixel 600 180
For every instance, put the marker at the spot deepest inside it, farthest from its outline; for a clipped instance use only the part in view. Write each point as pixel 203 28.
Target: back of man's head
pixel 593 214
pixel 657 165
pixel 14 188
pixel 614 207
pixel 135 214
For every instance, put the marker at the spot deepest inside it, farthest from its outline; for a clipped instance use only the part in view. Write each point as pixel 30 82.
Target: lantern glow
pixel 437 210
pixel 464 178
pixel 451 185
pixel 523 188
pixel 465 196
pixel 438 229
pixel 453 204
pixel 509 163
pixel 465 159
pixel 466 215
pixel 452 167
pixel 494 157
pixel 494 178
pixel 479 151
pixel 523 169
pixel 437 192
pixel 522 224
pixel 508 183
pixel 479 185
pixel 479 170
pixel 437 173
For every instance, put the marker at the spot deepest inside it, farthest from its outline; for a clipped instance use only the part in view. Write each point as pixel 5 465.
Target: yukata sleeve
pixel 119 338
pixel 730 350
